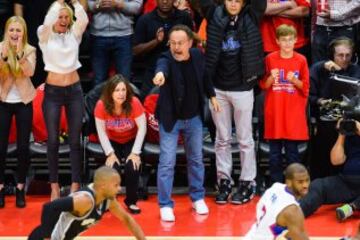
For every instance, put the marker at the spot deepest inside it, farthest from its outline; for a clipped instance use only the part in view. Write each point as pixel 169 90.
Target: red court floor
pixel 227 220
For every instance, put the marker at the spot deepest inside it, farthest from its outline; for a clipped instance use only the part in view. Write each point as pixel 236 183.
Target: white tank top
pixel 274 200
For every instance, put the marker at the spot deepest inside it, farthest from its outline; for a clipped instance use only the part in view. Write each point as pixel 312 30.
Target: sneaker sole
pixel 221 202
pixel 340 215
pixel 235 202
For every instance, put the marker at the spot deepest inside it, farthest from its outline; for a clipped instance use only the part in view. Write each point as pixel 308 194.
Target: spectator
pixel 286 84
pixel 17 65
pixel 34 12
pixel 151 36
pixel 334 19
pixel 291 13
pixel 181 74
pixel 234 62
pixel 346 152
pixel 121 126
pixel 322 91
pixel 5 13
pixel 60 37
pixel 70 216
pixel 111 32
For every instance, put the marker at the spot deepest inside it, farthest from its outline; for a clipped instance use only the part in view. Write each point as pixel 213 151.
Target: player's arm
pixel 121 214
pixel 293 218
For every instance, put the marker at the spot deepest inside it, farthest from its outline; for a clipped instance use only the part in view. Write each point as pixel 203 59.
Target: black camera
pixel 351 113
pixel 347 109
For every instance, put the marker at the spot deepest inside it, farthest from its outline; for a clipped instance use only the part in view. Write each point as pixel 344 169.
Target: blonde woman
pixel 17 65
pixel 59 40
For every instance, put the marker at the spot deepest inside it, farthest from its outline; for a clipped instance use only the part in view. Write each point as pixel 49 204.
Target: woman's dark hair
pixel 108 91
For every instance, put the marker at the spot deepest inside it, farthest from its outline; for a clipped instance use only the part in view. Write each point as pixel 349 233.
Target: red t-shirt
pixel 285 105
pixel 120 128
pixel 270 23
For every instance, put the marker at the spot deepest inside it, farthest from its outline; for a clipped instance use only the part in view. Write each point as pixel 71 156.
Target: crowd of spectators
pixel 290 49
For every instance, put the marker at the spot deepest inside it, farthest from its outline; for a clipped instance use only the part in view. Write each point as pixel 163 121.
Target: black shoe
pixel 20 198
pixel 224 191
pixel 245 192
pixel 133 209
pixel 143 193
pixel 2 197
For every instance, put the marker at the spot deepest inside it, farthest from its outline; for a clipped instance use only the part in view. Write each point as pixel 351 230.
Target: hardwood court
pixel 226 222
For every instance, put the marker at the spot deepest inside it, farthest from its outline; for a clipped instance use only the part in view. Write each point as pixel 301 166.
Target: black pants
pixel 72 98
pixel 23 114
pixel 122 151
pixel 324 140
pixel 331 190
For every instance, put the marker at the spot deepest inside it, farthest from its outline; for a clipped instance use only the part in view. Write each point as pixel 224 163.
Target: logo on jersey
pixel 273 198
pixel 231 44
pixel 281 84
pixel 119 124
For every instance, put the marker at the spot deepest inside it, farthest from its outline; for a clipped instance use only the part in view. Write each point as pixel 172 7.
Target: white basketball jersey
pixel 274 200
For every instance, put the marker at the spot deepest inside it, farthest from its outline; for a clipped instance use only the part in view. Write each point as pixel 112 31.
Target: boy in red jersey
pixel 286 85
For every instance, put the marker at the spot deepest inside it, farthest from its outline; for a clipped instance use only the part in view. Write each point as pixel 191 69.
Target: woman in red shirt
pixel 121 126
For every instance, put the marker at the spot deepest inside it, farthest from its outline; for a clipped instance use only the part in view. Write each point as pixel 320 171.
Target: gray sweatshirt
pixel 114 23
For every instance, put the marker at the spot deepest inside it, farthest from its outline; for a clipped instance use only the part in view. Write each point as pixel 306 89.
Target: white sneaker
pixel 167 214
pixel 200 207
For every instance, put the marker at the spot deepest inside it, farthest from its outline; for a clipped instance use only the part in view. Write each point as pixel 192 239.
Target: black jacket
pixel 252 53
pixel 172 92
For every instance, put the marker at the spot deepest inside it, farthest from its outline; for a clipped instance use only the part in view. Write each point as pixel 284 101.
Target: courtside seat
pixel 40 148
pixel 11 149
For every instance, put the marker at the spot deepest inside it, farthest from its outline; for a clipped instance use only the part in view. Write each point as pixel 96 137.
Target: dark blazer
pixel 172 92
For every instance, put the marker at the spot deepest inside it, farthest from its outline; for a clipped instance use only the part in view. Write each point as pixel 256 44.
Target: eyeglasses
pixel 343 55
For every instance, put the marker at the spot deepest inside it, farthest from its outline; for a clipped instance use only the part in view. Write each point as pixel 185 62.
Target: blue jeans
pixel 103 48
pixel 193 137
pixel 275 158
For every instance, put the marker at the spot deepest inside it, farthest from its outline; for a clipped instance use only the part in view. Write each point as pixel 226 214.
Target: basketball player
pixel 65 218
pixel 278 215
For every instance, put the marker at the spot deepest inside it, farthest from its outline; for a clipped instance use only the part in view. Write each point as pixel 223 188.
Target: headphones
pixel 340 41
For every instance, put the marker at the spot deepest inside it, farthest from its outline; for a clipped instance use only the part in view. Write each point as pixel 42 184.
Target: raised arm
pixel 81 19
pixel 50 19
pixel 130 223
pixel 19 8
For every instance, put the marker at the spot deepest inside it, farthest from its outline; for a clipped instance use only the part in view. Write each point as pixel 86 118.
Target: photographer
pixel 323 90
pixel 342 188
